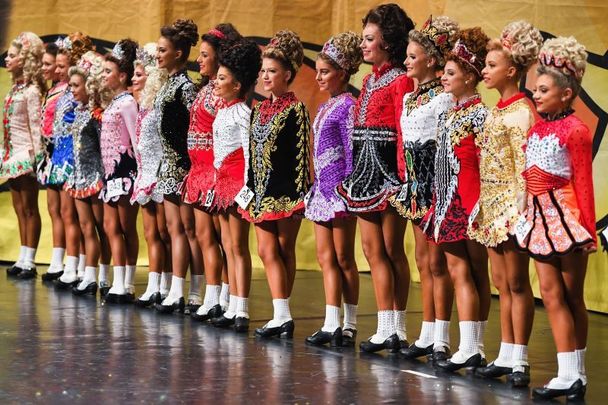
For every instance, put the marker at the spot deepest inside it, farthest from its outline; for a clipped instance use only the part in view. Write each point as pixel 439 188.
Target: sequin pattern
pixel 148 153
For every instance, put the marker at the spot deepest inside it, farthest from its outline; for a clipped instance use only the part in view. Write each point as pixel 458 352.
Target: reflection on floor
pixel 58 348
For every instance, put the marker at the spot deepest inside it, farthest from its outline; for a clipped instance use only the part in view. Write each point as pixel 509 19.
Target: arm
pixel 128 112
pixel 243 124
pixel 33 100
pixel 518 131
pixel 346 123
pixel 404 85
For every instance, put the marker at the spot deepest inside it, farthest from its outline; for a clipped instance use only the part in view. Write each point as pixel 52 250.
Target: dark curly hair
pixel 476 42
pixel 183 35
pixel 395 25
pixel 244 60
pixel 51 48
pixel 231 35
pixel 128 50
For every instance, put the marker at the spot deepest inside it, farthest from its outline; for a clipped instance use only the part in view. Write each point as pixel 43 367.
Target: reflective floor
pixel 55 348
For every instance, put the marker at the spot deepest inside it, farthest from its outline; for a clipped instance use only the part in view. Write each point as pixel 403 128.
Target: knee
pixel 326 259
pixel 240 250
pixel 268 253
pixel 164 235
pixel 373 251
pixel 111 228
pixel 190 230
pixel 346 261
pixel 175 227
pixel 151 235
pixel 396 254
pixel 88 229
pixel 552 297
pixel 519 285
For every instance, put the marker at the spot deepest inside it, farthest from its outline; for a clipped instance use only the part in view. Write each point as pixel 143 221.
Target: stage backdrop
pixel 315 21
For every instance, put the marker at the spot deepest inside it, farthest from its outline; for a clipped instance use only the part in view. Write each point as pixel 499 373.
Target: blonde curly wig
pixel 287 48
pixel 31 49
pixel 90 67
pixel 521 42
pixel 155 77
pixel 437 37
pixel 76 45
pixel 343 52
pixel 565 59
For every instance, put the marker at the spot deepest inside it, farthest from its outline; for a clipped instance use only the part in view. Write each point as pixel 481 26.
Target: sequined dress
pixel 62 158
pixel 148 154
pixel 48 115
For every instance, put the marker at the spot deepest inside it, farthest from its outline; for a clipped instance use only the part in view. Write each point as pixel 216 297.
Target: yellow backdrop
pixel 315 21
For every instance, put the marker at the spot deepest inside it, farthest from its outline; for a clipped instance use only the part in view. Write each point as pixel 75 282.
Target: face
pixel 13 61
pixel 78 89
pixel 139 78
pixel 62 65
pixel 328 77
pixel 111 77
pixel 207 60
pixel 498 70
pixel 550 98
pixel 274 76
pixel 167 55
pixel 417 62
pixel 454 79
pixel 373 45
pixel 226 85
pixel 48 67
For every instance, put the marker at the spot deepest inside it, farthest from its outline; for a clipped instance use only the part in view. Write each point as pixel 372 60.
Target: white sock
pixel 152 287
pixel 19 262
pixel 481 331
pixel 224 296
pixel 231 312
pixel 400 328
pixel 505 355
pixel 195 284
pixel 567 371
pixel 56 260
pixel 427 335
pixel 90 276
pixel 442 335
pixel 242 307
pixel 212 297
pixel 118 282
pixel 281 314
pixel 332 318
pixel 69 271
pixel 82 261
pixel 386 326
pixel 130 277
pixel 519 355
pixel 165 282
pixel 469 334
pixel 580 359
pixel 350 316
pixel 28 257
pixel 104 269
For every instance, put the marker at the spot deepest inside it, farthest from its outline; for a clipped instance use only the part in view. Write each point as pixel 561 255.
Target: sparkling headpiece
pixel 562 64
pixel 118 52
pixel 339 57
pixel 468 57
pixel 439 39
pixel 64 43
pixel 506 40
pixel 147 57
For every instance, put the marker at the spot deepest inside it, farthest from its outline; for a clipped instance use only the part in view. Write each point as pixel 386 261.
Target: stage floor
pixel 57 348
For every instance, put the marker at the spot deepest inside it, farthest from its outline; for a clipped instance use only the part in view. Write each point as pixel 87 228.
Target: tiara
pixel 564 65
pixel 506 41
pixel 118 52
pixel 462 52
pixel 217 33
pixel 438 38
pixel 331 50
pixel 147 59
pixel 64 43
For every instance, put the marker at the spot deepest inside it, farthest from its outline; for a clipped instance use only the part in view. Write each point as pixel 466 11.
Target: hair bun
pixel 566 55
pixel 437 36
pixel 286 45
pixel 344 50
pixel 243 59
pixel 523 41
pixel 187 29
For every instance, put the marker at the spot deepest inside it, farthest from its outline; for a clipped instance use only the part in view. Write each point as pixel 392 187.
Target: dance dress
pixel 278 170
pixel 117 140
pixel 421 113
pixel 201 177
pixel 501 163
pixel 456 185
pixel 148 155
pixel 560 215
pixel 49 105
pixel 332 157
pixel 21 147
pixel 231 153
pixel 62 158
pixel 87 178
pixel 378 169
pixel 172 103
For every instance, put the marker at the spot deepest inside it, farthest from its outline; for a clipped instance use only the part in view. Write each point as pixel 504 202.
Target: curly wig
pixel 31 49
pixel 287 48
pixel 521 43
pixel 395 25
pixel 564 59
pixel 470 51
pixel 183 35
pixel 244 60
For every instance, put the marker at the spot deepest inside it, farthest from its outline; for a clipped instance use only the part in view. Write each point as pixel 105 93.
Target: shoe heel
pixel 286 330
pixel 579 395
pixel 336 342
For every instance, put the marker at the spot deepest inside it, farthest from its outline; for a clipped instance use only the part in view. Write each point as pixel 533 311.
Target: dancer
pixel 421 113
pixel 120 168
pixel 502 197
pixel 172 103
pixel 456 191
pixel 334 228
pixel 21 150
pixel 558 229
pixel 378 170
pixel 278 175
pixel 147 81
pixel 239 65
pixel 86 181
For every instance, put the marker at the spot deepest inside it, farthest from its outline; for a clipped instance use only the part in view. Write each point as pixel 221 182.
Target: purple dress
pixel 332 157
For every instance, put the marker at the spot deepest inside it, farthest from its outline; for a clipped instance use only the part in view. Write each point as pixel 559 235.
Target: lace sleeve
pixel 518 134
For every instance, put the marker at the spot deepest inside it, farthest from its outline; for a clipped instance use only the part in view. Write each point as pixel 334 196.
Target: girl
pixel 147 80
pixel 456 191
pixel 20 150
pixel 502 195
pixel 239 65
pixel 172 104
pixel 334 228
pixel 421 113
pixel 558 229
pixel 378 171
pixel 278 175
pixel 117 140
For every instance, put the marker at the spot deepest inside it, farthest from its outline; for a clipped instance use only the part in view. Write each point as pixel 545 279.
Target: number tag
pixel 522 228
pixel 114 188
pixel 209 198
pixel 402 196
pixel 244 197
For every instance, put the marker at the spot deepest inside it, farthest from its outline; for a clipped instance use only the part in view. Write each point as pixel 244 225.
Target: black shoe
pixel 520 377
pixel 215 312
pixel 448 365
pixel 413 351
pixel 126 298
pixel 403 344
pixel 104 288
pixel 223 322
pixel 60 285
pixel 91 289
pixel 285 331
pixel 241 324
pixel 321 337
pixel 153 300
pixel 576 392
pixel 191 307
pixel 13 271
pixel 391 344
pixel 51 276
pixel 349 337
pixel 440 355
pixel 169 309
pixel 27 273
pixel 493 371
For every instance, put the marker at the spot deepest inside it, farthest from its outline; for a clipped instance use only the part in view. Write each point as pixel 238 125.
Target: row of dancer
pixel 417 144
